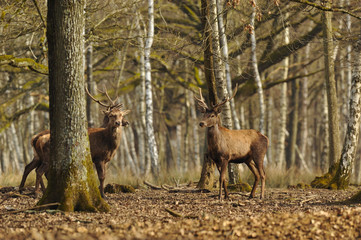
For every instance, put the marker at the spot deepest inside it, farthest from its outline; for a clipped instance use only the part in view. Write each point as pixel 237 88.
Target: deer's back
pixel 237 145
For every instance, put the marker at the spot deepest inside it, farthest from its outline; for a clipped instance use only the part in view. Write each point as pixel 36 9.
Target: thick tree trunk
pixel 334 134
pixel 72 180
pixel 153 149
pixel 342 178
pixel 208 167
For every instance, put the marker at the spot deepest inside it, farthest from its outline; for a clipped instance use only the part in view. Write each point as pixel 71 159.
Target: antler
pixel 113 103
pixel 226 99
pixel 106 94
pixel 201 103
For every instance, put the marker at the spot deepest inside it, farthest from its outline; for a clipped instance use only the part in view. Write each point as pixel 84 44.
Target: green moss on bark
pixel 322 181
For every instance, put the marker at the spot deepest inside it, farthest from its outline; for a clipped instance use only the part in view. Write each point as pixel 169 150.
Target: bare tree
pixel 72 181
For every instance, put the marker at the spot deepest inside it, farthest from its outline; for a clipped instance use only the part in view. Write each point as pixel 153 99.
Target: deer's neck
pixel 114 135
pixel 214 134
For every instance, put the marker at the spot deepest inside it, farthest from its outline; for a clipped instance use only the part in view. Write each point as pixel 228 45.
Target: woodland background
pixel 290 62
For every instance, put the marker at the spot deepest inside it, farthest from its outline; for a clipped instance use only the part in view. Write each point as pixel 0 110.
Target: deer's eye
pixel 212 115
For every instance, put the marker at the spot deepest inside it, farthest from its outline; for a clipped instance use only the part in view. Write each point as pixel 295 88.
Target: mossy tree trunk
pixel 72 180
pixel 342 178
pixel 334 134
pixel 208 167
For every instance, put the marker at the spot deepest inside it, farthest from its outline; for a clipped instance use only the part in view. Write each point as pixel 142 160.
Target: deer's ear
pixel 125 112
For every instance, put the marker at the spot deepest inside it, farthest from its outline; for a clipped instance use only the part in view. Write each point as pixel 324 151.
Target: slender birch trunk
pixel 302 139
pixel 128 154
pixel 187 129
pixel 343 174
pixel 293 128
pixel 224 49
pixel 269 127
pixel 196 152
pixel 179 148
pixel 283 106
pixel 92 110
pixel 141 123
pixel 255 68
pixel 148 92
pixel 326 145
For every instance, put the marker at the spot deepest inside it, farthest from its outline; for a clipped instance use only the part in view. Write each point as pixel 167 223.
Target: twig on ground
pixel 177 214
pixel 152 186
pixel 177 190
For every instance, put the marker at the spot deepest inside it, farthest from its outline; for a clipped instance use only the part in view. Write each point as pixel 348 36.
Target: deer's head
pixel 211 114
pixel 112 110
pixel 116 118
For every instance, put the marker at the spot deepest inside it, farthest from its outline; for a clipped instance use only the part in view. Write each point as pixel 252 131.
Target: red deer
pixel 225 146
pixel 41 144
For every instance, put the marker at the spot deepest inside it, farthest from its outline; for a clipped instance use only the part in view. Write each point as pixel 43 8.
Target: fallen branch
pixel 152 186
pixel 308 199
pixel 174 213
pixel 179 190
pixel 177 214
pixel 32 208
pixel 166 187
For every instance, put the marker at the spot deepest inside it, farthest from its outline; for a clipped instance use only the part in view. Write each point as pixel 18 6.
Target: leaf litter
pixel 169 214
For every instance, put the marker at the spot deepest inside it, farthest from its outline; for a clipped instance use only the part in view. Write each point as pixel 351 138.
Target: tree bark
pixel 208 167
pixel 302 137
pixel 148 93
pixel 141 123
pixel 333 120
pixel 292 129
pixel 342 178
pixel 283 106
pixel 72 181
pixel 256 74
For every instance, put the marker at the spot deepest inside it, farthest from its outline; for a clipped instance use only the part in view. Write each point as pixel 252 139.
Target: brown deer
pixel 41 143
pixel 225 146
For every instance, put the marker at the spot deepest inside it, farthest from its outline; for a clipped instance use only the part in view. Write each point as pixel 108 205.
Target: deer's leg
pixel 28 168
pixel 100 167
pixel 251 165
pixel 39 178
pixel 222 180
pixel 260 170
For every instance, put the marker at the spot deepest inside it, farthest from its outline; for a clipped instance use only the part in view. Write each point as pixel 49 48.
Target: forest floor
pixel 146 214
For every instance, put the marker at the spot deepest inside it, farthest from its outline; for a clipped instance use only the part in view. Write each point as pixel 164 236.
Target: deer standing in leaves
pixel 103 144
pixel 225 146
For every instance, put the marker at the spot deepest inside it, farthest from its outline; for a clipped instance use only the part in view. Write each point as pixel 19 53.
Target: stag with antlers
pixel 225 146
pixel 103 143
